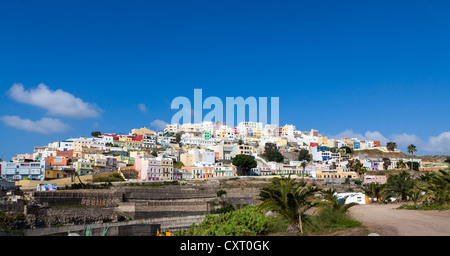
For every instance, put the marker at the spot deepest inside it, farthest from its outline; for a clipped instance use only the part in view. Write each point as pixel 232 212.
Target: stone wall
pixel 145 227
pixel 164 192
pixel 39 217
pixel 102 197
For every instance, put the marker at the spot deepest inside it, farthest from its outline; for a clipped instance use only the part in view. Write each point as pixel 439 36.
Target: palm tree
pixel 354 165
pixel 303 164
pixel 437 186
pixel 288 198
pixel 399 185
pixel 373 190
pixel 331 201
pixel 415 195
pixel 411 150
pixel 401 164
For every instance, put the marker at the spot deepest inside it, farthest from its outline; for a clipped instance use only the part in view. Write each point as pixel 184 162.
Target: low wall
pixel 77 197
pixel 164 192
pixel 30 185
pixel 130 228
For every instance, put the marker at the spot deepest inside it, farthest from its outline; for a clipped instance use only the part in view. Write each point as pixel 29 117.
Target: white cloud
pixel 439 144
pixel 43 126
pixel 142 108
pixel 57 103
pixel 347 134
pixel 368 135
pixel 435 145
pixel 405 140
pixel 376 135
pixel 158 124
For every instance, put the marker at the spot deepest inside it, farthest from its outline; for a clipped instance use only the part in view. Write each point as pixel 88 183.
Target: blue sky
pixel 370 69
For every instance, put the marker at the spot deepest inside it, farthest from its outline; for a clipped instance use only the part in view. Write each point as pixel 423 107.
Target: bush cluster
pixel 247 221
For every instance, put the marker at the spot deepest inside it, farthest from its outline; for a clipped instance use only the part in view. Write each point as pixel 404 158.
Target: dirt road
pixel 386 220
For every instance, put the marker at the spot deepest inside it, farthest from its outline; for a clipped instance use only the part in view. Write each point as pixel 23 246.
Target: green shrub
pixel 247 221
pixel 328 221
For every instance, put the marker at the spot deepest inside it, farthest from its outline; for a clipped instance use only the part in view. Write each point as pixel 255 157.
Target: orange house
pixel 208 171
pixel 58 160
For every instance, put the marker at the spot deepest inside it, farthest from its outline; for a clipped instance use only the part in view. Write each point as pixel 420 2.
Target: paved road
pixel 386 220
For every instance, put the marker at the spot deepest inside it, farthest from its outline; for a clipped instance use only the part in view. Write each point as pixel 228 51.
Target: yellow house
pixel 280 141
pixel 167 168
pixel 138 153
pixel 322 140
pixel 348 142
pixel 337 174
pixel 142 131
pixel 124 138
pixel 187 159
pixel 245 150
pixel 129 144
pixel 257 134
pixel 53 174
pixel 85 151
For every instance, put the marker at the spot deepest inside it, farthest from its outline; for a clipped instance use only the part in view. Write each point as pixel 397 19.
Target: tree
pixel 271 152
pixel 303 164
pixel 330 201
pixel 400 164
pixel 240 142
pixel 391 146
pixel 154 153
pixel 306 158
pixel 244 163
pixel 288 198
pixel 386 162
pixel 346 149
pixel 269 147
pixel 415 194
pixel 303 155
pixel 447 160
pixel 96 134
pixel 412 149
pixel 275 156
pixel 415 165
pixel 437 186
pixel 178 138
pixel 354 165
pixel 399 185
pixel 373 190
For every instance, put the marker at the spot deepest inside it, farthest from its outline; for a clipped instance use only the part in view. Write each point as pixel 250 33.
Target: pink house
pixel 148 168
pixel 374 179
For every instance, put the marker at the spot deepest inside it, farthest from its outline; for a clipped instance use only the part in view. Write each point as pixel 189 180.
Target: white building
pixel 172 128
pixel 149 141
pixel 26 170
pixel 202 155
pixel 359 198
pixel 66 145
pixel 107 139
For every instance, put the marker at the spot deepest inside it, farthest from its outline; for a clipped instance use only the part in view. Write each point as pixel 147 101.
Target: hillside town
pixel 203 150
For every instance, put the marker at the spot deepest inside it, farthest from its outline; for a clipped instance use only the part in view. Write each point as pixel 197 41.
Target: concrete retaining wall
pixel 79 197
pixel 131 228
